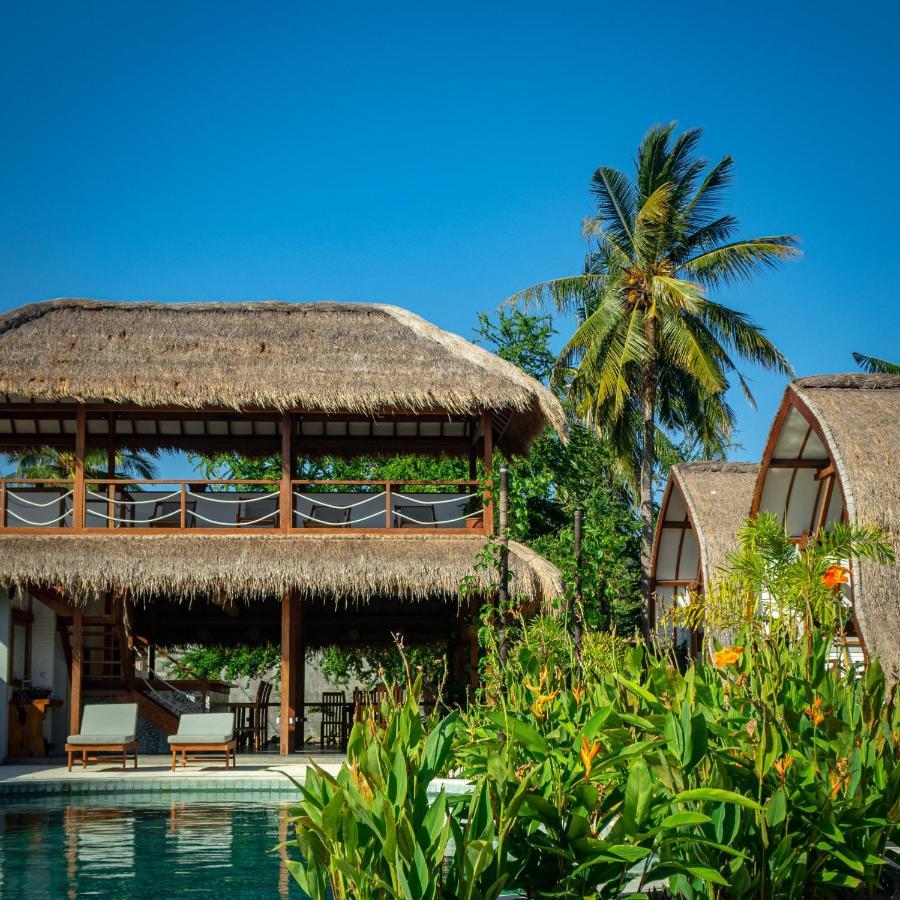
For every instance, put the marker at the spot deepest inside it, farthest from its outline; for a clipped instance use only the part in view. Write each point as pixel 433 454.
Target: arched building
pixel 833 454
pixel 703 506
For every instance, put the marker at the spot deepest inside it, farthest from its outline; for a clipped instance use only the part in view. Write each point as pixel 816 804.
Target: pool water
pixel 140 845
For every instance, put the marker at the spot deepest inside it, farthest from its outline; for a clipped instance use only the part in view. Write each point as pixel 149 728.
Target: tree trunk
pixel 648 408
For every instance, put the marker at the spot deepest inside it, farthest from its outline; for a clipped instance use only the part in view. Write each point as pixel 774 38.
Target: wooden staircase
pixel 108 668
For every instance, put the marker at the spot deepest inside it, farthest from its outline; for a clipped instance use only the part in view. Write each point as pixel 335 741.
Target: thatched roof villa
pixel 703 507
pixel 293 557
pixel 834 454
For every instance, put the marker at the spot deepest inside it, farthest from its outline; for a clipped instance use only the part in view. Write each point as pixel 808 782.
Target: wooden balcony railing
pixel 255 506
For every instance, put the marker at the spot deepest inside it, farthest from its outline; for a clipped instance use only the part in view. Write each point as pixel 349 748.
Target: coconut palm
pixel 49 463
pixel 653 352
pixel 875 365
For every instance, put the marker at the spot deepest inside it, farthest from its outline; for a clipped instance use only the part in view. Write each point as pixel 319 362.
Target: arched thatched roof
pixel 704 505
pixel 330 357
pixel 834 452
pixel 343 567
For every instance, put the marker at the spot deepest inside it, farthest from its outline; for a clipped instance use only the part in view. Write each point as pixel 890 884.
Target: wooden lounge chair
pixel 105 728
pixel 203 733
pixel 333 727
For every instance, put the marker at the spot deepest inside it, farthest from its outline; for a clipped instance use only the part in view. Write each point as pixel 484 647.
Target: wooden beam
pixel 78 497
pixel 288 680
pixel 300 669
pixel 487 427
pixel 286 499
pixel 798 463
pixel 77 647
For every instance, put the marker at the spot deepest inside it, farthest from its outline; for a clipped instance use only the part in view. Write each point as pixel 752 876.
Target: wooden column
pixel 78 496
pixel 488 429
pixel 300 675
pixel 286 500
pixel 289 630
pixel 77 647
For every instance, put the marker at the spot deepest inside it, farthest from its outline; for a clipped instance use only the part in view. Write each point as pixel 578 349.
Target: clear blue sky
pixel 438 157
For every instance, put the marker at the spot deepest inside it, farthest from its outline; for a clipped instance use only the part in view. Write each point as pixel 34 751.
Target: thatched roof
pixel 718 496
pixel 859 416
pixel 344 567
pixel 330 357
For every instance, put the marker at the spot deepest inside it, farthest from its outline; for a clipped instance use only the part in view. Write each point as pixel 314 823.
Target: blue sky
pixel 438 157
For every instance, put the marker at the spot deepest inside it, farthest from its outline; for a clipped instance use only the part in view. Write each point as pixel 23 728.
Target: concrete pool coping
pixel 154 774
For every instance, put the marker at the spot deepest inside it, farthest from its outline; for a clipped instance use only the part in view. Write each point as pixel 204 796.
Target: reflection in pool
pixel 140 845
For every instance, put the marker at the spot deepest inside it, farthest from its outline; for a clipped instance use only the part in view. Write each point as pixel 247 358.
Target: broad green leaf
pixel 716 795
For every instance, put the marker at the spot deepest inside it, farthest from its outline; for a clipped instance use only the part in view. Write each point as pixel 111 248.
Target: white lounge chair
pixel 205 733
pixel 105 728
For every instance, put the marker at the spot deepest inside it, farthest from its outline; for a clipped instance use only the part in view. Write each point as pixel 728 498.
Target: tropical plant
pixel 51 463
pixel 653 352
pixel 239 661
pixel 875 365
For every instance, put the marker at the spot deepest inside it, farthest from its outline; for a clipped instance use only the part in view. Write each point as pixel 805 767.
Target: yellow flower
pixel 537 688
pixel 588 752
pixel 815 712
pixel 578 693
pixel 538 706
pixel 728 656
pixel 782 765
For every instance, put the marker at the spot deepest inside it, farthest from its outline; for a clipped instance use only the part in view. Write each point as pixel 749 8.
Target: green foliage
pixel 875 365
pixel 768 564
pixel 49 463
pixel 241 661
pixel 771 772
pixel 520 339
pixel 372 664
pixel 374 831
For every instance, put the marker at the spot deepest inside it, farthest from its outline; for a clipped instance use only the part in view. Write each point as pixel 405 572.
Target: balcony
pixel 262 506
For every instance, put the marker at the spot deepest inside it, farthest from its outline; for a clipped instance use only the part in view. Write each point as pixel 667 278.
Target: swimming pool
pixel 143 846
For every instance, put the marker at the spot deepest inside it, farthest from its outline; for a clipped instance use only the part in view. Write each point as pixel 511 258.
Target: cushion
pixel 107 723
pixel 94 739
pixel 199 738
pixel 192 726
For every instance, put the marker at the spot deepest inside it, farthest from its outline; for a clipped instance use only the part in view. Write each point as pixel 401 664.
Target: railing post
pixel 286 497
pixel 78 487
pixel 183 499
pixel 2 503
pixel 389 505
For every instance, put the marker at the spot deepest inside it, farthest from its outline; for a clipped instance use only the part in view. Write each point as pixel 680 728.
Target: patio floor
pixel 254 771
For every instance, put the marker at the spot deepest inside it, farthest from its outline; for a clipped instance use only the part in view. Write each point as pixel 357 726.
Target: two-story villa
pixel 96 568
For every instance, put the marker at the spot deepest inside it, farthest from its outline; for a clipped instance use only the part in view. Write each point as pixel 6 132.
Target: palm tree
pixel 652 353
pixel 49 463
pixel 875 365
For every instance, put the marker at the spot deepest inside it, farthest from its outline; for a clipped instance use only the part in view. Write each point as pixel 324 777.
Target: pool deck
pixel 254 771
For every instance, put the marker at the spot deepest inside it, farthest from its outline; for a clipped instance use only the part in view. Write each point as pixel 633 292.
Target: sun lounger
pixel 105 728
pixel 204 733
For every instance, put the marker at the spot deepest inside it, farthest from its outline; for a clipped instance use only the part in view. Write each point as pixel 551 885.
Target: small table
pixel 26 726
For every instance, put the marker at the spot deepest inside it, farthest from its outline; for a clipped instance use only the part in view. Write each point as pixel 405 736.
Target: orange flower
pixel 782 765
pixel 536 688
pixel 815 712
pixel 578 693
pixel 835 576
pixel 588 752
pixel 728 656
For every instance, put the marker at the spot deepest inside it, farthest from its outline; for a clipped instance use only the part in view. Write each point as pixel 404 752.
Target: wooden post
pixel 503 535
pixel 78 488
pixel 288 677
pixel 110 470
pixel 388 505
pixel 77 646
pixel 300 669
pixel 488 429
pixel 579 596
pixel 286 500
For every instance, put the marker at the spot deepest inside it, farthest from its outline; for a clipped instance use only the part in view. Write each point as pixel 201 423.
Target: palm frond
pixel 875 365
pixel 616 205
pixel 740 260
pixel 566 295
pixel 739 333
